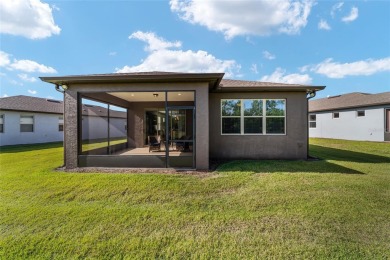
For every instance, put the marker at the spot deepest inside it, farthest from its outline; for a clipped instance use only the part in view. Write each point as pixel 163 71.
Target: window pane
pixel 1 123
pixel 312 124
pixel 275 125
pixel 312 117
pixel 94 127
pixel 336 115
pixel 275 107
pixel 253 125
pixel 231 126
pixel 26 128
pixel 117 126
pixel 26 119
pixel 253 107
pixel 231 107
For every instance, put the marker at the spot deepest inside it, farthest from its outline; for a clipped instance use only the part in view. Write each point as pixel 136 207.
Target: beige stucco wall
pixel 292 145
pixel 135 119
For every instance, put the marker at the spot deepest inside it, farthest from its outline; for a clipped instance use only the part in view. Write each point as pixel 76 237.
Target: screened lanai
pixel 137 129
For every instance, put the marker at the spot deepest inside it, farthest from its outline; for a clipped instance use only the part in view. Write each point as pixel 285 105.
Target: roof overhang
pixel 273 88
pixel 213 79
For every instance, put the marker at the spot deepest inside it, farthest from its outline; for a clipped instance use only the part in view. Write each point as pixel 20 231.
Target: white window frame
pixel 264 116
pixel 313 121
pixel 2 116
pixel 33 123
pixel 338 115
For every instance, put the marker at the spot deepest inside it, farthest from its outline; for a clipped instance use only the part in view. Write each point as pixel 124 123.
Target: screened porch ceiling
pixel 154 96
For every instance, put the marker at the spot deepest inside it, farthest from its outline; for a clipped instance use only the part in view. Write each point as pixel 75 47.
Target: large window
pixel 253 116
pixel 26 123
pixel 2 123
pixel 313 121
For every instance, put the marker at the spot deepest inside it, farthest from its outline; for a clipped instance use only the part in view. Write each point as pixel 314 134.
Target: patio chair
pixel 154 143
pixel 183 146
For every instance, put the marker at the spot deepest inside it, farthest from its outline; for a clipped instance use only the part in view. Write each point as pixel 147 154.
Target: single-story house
pixel 29 120
pixel 182 120
pixel 353 116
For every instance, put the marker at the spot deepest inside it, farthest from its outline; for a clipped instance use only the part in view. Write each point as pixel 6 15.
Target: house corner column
pixel 202 128
pixel 71 129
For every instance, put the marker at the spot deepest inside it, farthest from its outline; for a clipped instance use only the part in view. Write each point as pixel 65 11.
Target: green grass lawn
pixel 334 208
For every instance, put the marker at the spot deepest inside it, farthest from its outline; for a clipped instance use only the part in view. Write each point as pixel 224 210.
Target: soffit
pixel 151 96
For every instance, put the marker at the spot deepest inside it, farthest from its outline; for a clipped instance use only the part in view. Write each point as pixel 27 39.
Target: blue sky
pixel 344 45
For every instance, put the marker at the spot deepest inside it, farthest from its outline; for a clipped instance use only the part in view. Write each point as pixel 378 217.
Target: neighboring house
pixel 182 120
pixel 353 116
pixel 28 120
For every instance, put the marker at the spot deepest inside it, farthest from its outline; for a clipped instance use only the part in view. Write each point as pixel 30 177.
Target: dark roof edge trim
pixel 349 107
pixel 30 111
pixel 215 78
pixel 270 88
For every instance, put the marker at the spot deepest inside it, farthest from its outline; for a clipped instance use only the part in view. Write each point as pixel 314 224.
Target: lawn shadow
pixel 29 147
pixel 328 153
pixel 284 166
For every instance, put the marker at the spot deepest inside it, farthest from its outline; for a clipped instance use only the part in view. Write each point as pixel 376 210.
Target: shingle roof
pixel 245 83
pixel 216 81
pixel 349 100
pixel 52 106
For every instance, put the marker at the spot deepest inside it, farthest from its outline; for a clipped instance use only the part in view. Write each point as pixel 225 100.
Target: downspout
pixel 62 89
pixel 310 94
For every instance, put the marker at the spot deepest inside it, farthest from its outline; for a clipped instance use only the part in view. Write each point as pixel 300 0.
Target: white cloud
pixel 4 59
pixel 112 53
pixel 5 95
pixel 30 66
pixel 246 17
pixel 161 58
pixel 280 76
pixel 268 55
pixel 183 61
pixel 54 7
pixel 25 77
pixel 29 18
pixel 353 15
pixel 14 82
pixel 254 69
pixel 336 70
pixel 336 8
pixel 153 41
pixel 323 25
pixel 23 65
pixel 33 92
